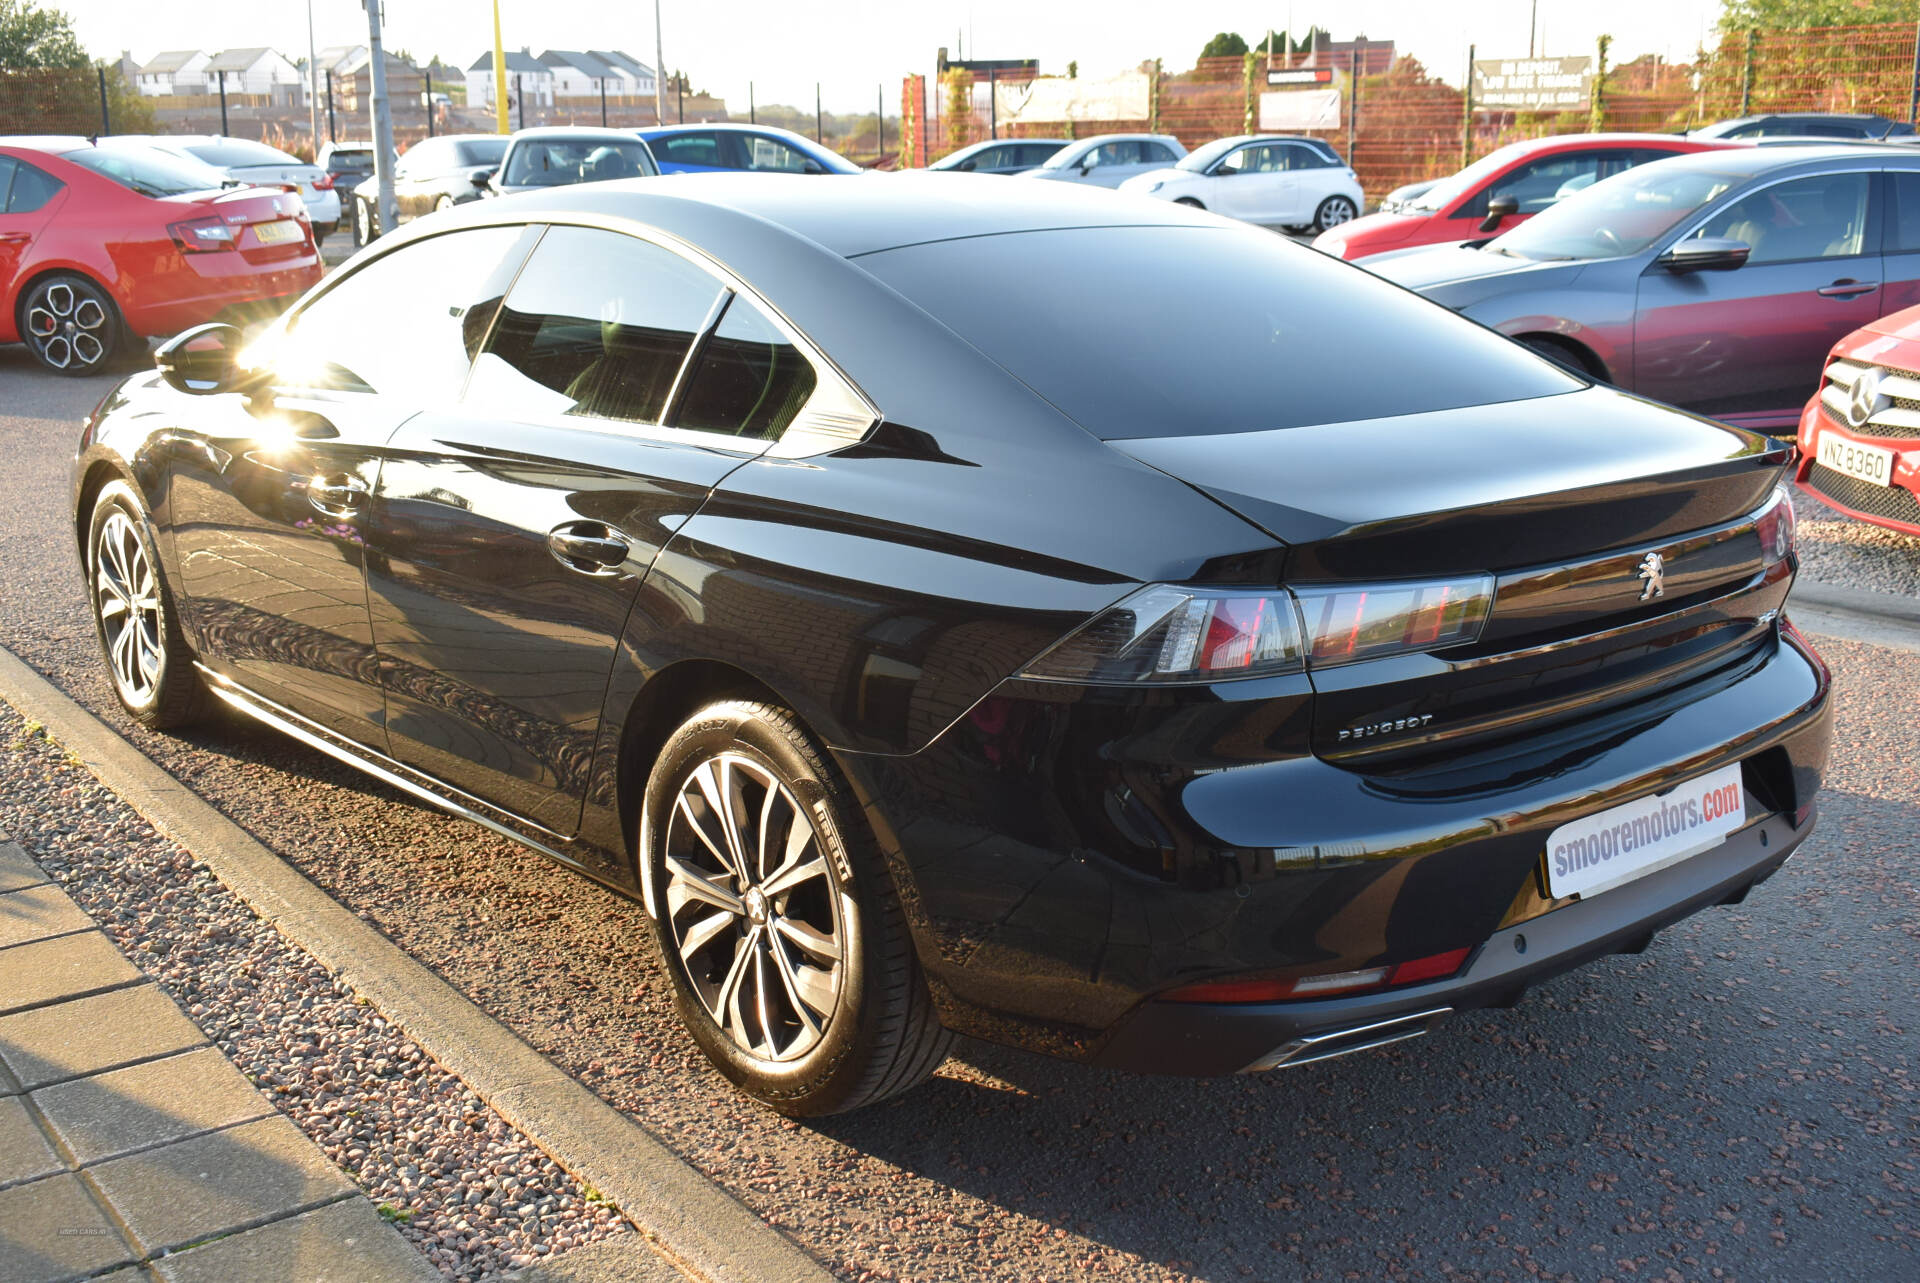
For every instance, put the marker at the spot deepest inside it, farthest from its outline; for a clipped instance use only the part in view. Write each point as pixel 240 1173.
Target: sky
pixel 853 47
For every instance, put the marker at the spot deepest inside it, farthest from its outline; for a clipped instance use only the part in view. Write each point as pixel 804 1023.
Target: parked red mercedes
pixel 1503 190
pixel 1860 434
pixel 103 247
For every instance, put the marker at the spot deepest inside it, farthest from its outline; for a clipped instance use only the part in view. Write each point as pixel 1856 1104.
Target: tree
pixel 1225 44
pixel 33 38
pixel 1745 15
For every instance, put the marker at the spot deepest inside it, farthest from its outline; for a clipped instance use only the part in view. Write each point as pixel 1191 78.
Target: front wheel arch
pixel 1562 350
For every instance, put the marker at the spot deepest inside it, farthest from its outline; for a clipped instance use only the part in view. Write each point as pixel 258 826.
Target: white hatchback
pixel 1274 181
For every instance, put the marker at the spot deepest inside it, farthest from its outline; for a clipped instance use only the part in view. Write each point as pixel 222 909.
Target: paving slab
pixel 37 912
pixel 17 868
pixel 215 1184
pixel 24 1152
pixel 46 971
pixel 88 1035
pixel 344 1242
pixel 155 1103
pixel 9 1085
pixel 53 1230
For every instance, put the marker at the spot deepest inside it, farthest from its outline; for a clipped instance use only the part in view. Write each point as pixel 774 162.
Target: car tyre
pixel 72 325
pixel 363 225
pixel 1188 200
pixel 442 205
pixel 148 661
pixel 1559 353
pixel 791 960
pixel 1333 211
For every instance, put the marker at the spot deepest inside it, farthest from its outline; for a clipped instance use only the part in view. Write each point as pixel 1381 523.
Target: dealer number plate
pixel 1632 840
pixel 1867 462
pixel 286 229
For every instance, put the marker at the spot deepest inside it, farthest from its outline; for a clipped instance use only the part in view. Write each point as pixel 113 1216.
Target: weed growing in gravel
pixel 388 1212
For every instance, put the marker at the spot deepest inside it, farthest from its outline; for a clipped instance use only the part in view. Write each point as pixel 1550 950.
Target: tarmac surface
pixel 1738 1102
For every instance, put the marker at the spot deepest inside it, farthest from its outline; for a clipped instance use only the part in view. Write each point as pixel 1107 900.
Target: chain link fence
pixel 1410 123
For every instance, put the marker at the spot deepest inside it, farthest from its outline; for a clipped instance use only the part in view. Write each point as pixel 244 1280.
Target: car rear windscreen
pixel 238 153
pixel 1189 331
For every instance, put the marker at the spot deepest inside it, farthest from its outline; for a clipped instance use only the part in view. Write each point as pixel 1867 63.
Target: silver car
pixel 247 162
pixel 1107 160
pixel 1716 282
pixel 561 155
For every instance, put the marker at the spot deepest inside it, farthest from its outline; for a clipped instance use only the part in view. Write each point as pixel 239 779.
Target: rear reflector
pixel 1435 966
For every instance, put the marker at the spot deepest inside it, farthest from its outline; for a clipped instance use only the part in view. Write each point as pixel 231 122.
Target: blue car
pixel 702 149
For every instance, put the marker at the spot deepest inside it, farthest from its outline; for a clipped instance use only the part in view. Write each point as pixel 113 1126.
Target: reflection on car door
pixel 1254 183
pixel 1748 344
pixel 519 523
pixel 272 494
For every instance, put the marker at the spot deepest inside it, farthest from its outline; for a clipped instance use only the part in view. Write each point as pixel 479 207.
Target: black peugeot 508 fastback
pixel 1083 623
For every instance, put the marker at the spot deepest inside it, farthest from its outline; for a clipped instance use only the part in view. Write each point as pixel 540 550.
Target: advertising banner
pixel 1055 99
pixel 1294 111
pixel 1533 84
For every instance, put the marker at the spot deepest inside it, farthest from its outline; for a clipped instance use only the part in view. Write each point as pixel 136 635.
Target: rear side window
pixel 406 325
pixel 1248 331
pixel 6 180
pixel 689 149
pixel 1157 153
pixel 1904 235
pixel 597 326
pixel 751 379
pixel 31 188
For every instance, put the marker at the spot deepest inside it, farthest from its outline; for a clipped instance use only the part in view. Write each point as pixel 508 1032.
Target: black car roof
pixel 855 214
pixel 1750 162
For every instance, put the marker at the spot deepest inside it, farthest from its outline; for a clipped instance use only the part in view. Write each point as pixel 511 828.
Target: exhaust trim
pixel 1342 1042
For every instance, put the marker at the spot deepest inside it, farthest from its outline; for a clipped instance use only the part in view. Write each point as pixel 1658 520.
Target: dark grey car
pixel 432 175
pixel 1715 282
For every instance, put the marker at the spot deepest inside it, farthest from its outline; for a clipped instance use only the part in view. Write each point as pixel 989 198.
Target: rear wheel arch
pixel 1558 347
pixel 44 272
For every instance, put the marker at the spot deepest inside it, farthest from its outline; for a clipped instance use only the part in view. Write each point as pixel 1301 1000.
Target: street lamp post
pixel 382 119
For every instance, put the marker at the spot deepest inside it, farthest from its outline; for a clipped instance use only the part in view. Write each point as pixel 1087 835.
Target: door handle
pixel 1846 288
pixel 589 547
pixel 9 238
pixel 337 496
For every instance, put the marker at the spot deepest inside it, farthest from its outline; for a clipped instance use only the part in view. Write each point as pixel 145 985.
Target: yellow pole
pixel 499 74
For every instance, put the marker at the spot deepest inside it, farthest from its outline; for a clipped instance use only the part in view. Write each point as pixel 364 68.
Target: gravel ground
pixel 1843 550
pixel 1740 1101
pixel 469 1191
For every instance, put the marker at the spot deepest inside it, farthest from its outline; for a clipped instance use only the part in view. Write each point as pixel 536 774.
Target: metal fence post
pixel 429 91
pixel 603 102
pixel 819 126
pixel 993 103
pixel 223 101
pixel 1353 102
pixel 520 92
pixel 1246 93
pixel 1153 100
pixel 751 118
pixel 879 122
pixel 106 117
pixel 1466 123
pixel 331 136
pixel 1746 77
pixel 680 91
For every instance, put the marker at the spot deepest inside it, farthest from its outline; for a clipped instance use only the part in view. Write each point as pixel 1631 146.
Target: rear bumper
pixel 218 291
pixel 1210 1038
pixel 1068 857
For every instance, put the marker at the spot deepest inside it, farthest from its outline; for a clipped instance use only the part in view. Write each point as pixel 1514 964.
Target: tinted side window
pixel 1037 154
pixel 407 324
pixel 1904 235
pixel 751 379
pixel 6 180
pixel 597 325
pixel 765 153
pixel 32 188
pixel 1157 154
pixel 689 149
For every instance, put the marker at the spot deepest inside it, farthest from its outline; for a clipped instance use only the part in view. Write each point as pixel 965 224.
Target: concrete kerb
pixel 698 1226
pixel 1856 615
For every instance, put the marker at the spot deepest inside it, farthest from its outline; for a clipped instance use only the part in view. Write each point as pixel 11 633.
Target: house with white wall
pixel 252 71
pixel 581 75
pixel 525 74
pixel 177 71
pixel 638 75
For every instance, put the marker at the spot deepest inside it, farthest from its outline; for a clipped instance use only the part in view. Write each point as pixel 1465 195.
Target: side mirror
pixel 205 360
pixel 1498 208
pixel 965 167
pixel 480 177
pixel 1706 254
pixel 1086 163
pixel 814 167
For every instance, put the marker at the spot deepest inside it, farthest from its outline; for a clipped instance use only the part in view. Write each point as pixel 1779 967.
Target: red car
pixel 1503 190
pixel 1860 435
pixel 101 247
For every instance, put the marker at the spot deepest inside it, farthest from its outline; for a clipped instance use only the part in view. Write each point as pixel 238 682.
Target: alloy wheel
pixel 363 221
pixel 758 921
pixel 69 328
pixel 127 596
pixel 1334 211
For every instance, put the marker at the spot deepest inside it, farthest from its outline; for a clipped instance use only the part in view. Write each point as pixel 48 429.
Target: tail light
pixel 1775 525
pixel 1166 634
pixel 323 182
pixel 1366 621
pixel 1163 633
pixel 202 235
